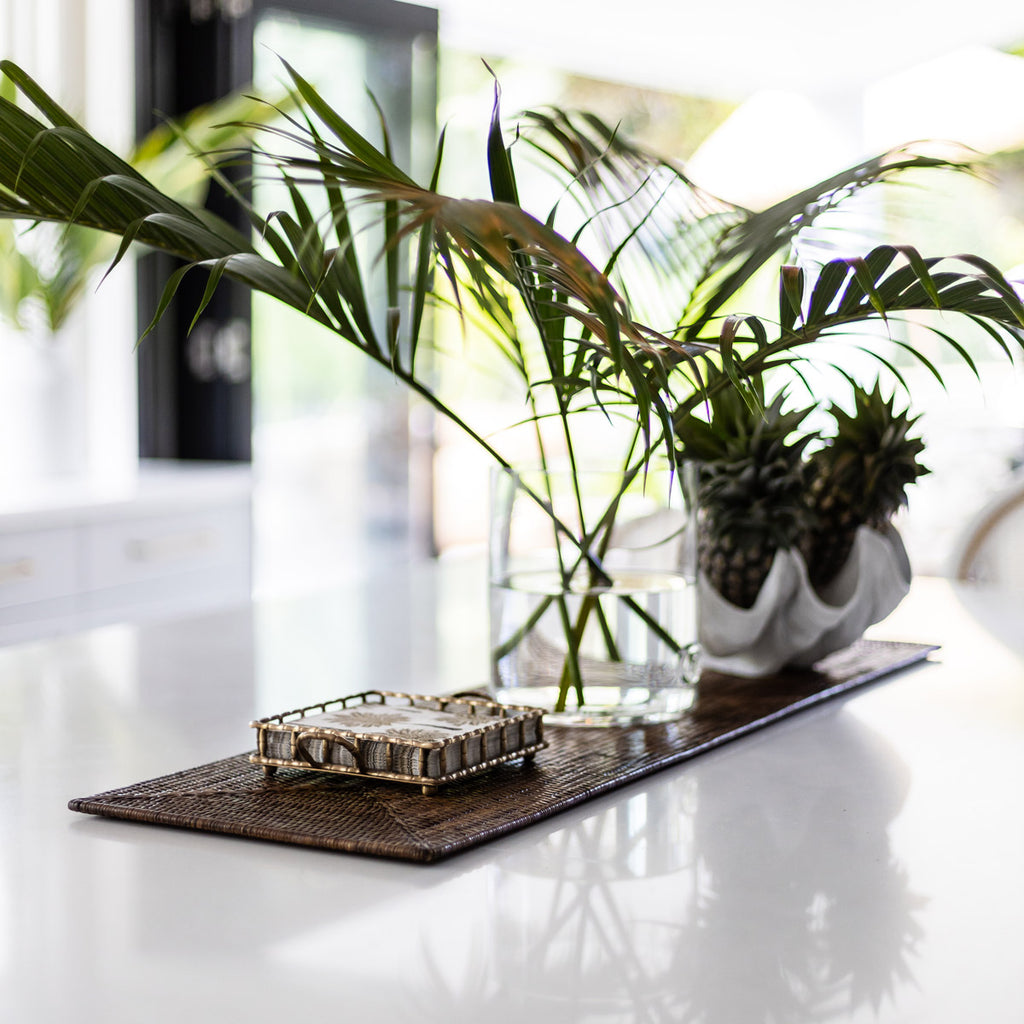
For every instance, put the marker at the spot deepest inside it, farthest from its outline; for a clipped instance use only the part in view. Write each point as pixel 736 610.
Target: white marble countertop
pixel 859 862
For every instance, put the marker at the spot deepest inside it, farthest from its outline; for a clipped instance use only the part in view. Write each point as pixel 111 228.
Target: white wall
pixel 67 403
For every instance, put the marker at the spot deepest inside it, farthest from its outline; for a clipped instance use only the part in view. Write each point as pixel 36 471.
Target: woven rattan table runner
pixel 354 815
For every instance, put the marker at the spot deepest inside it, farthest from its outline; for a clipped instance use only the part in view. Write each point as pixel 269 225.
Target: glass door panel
pixel 331 448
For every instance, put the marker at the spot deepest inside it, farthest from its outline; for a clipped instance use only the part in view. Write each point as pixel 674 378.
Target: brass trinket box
pixel 427 741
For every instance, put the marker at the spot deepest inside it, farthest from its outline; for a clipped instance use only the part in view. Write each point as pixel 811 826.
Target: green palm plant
pixel 620 313
pixel 700 256
pixel 53 272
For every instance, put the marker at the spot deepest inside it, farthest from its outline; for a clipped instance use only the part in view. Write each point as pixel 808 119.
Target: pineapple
pixel 859 478
pixel 752 481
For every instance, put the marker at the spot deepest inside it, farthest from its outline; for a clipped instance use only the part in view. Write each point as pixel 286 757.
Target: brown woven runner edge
pixel 127 803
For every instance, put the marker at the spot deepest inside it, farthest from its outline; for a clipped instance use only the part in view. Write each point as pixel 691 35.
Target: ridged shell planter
pixel 793 624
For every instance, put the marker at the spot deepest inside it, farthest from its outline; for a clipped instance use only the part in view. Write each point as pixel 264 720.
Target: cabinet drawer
pixel 36 565
pixel 137 550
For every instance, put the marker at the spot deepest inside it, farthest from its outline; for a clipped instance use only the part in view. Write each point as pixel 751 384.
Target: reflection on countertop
pixel 696 900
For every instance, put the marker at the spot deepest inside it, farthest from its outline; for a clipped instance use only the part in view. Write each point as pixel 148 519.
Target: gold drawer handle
pixel 18 571
pixel 170 546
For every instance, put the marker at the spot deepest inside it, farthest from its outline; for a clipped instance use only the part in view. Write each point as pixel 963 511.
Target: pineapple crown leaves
pixel 871 460
pixel 875 425
pixel 752 470
pixel 739 425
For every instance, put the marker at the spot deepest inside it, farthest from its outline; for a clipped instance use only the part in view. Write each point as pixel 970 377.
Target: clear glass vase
pixel 593 606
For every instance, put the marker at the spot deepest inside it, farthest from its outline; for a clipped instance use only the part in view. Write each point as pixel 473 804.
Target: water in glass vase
pixel 620 653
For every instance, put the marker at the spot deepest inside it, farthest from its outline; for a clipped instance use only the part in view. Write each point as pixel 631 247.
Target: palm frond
pixel 852 291
pixel 653 215
pixel 642 227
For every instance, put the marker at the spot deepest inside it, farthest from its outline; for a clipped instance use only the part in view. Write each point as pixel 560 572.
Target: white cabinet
pixel 178 540
pixel 144 549
pixel 37 565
